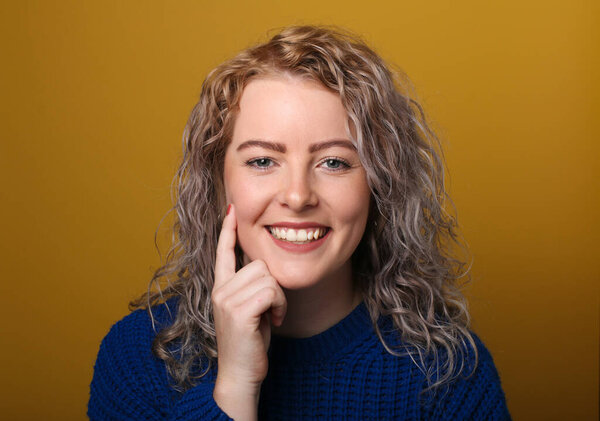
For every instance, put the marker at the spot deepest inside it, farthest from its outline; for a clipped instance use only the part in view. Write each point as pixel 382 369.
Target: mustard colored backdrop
pixel 95 95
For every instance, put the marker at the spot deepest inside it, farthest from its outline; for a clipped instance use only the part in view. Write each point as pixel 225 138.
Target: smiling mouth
pixel 298 236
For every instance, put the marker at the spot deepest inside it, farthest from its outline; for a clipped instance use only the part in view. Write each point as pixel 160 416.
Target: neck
pixel 313 310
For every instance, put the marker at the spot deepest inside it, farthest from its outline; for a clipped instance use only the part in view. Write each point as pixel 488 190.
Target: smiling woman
pixel 312 277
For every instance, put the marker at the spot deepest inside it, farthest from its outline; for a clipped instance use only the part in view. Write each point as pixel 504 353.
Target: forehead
pixel 289 110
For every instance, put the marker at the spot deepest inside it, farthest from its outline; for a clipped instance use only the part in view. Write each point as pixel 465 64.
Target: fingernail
pixel 228 209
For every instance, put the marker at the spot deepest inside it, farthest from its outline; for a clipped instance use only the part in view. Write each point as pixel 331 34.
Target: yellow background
pixel 95 96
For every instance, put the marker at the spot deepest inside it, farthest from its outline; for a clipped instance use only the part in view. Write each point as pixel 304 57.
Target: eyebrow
pixel 280 147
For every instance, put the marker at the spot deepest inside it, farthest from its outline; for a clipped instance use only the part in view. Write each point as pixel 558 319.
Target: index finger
pixel 225 259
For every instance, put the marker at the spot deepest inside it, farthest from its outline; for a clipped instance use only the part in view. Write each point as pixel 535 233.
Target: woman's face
pixel 291 172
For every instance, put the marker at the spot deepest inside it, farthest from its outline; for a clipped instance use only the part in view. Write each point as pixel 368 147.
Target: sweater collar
pixel 325 345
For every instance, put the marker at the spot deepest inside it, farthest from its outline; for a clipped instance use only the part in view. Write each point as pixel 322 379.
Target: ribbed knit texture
pixel 342 373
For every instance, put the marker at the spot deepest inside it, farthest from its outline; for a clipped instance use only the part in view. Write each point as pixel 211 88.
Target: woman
pixel 312 276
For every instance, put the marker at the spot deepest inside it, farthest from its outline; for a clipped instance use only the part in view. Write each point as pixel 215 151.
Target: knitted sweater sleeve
pixel 129 383
pixel 476 397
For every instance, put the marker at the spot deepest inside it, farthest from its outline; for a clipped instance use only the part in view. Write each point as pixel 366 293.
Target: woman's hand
pixel 244 305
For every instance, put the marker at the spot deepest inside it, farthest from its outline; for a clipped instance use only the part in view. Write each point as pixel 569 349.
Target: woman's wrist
pixel 237 400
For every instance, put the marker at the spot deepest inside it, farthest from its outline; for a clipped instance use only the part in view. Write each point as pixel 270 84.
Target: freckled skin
pixel 297 185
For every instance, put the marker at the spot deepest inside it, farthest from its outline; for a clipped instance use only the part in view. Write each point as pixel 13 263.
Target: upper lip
pixel 297 225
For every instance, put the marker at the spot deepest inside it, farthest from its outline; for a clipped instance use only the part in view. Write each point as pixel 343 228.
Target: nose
pixel 298 191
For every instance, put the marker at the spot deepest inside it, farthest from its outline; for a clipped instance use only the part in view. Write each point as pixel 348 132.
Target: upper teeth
pixel 290 234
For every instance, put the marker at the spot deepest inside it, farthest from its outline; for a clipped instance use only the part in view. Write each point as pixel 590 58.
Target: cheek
pixel 250 200
pixel 352 208
pixel 352 204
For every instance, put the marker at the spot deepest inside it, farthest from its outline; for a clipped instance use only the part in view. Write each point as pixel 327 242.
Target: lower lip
pixel 299 248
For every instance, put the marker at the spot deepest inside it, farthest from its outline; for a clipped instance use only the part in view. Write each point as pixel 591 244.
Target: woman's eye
pixel 336 164
pixel 261 163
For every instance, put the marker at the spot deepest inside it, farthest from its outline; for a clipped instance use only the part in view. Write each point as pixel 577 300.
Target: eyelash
pixel 344 164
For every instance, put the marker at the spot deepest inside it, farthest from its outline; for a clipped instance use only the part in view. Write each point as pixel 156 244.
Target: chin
pixel 294 284
pixel 293 280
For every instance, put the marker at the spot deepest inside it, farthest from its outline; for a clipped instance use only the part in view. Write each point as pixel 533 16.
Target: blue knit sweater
pixel 342 373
